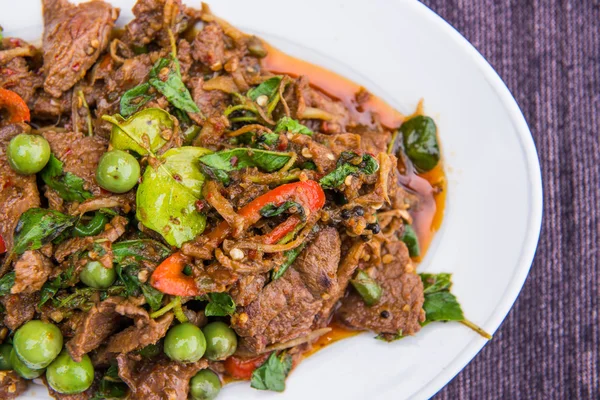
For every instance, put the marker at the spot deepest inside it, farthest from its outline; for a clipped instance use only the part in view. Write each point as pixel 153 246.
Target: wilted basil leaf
pixel 267 88
pixel 272 374
pixel 287 124
pixel 410 238
pixel 235 159
pixel 420 142
pixel 172 87
pixel 290 257
pixel 336 178
pixel 220 305
pixel 433 283
pixel 69 186
pixel 440 304
pixel 6 283
pixel 271 210
pixel 166 198
pixel 38 226
pixel 153 297
pixel 134 98
pixel 142 132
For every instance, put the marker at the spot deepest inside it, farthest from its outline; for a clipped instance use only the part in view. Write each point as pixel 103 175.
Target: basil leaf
pixel 287 124
pixel 216 174
pixel 267 88
pixel 290 257
pixel 410 238
pixel 220 305
pixel 138 250
pixel 433 283
pixel 166 198
pixel 271 210
pixel 235 159
pixel 153 297
pixel 133 99
pixel 386 337
pixel 172 87
pixel 6 283
pixel 150 351
pixel 420 142
pixel 38 226
pixel 69 186
pixel 336 178
pixel 111 386
pixel 64 279
pixel 128 276
pixel 367 288
pixel 268 139
pixel 141 133
pixel 440 304
pixel 271 375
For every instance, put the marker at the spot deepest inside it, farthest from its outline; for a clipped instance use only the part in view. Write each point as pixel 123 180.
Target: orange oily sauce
pixel 430 187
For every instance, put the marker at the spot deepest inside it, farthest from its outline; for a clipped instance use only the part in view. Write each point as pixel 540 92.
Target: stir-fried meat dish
pixel 174 214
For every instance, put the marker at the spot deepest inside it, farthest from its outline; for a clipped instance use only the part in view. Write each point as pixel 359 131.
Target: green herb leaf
pixel 440 304
pixel 336 178
pixel 111 386
pixel 433 283
pixel 369 290
pixel 268 139
pixel 287 124
pixel 150 351
pixel 153 297
pixel 272 374
pixel 172 87
pixel 6 283
pixel 267 88
pixel 166 198
pixel 410 238
pixel 38 226
pixel 69 186
pixel 63 280
pixel 290 257
pixel 142 132
pixel 220 305
pixel 271 210
pixel 235 159
pixel 386 337
pixel 420 142
pixel 139 250
pixel 133 99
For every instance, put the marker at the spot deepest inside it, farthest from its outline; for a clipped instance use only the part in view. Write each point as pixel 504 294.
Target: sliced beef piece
pixel 15 73
pixel 11 385
pixel 162 379
pixel 74 37
pixel 373 141
pixel 212 103
pixel 152 18
pixel 400 308
pixel 247 289
pixel 98 324
pixel 286 308
pixel 133 72
pixel 19 308
pixel 104 319
pixel 211 133
pixel 80 155
pixel 208 47
pixel 47 108
pixel 318 265
pixel 18 193
pixel 32 270
pixel 340 142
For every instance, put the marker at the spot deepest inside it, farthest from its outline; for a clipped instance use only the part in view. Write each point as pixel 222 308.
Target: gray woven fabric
pixel 548 53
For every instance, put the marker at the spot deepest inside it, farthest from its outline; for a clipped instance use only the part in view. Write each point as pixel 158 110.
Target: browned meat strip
pixel 211 102
pixel 32 270
pixel 18 193
pixel 20 308
pixel 15 72
pixel 152 17
pixel 79 154
pixel 401 306
pixel 145 330
pixel 99 323
pixel 320 154
pixel 208 47
pixel 247 288
pixel 375 142
pixel 74 37
pixel 157 380
pixel 286 308
pixel 11 385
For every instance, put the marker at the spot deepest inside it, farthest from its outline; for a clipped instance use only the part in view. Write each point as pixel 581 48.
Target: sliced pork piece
pixel 74 37
pixel 400 309
pixel 157 380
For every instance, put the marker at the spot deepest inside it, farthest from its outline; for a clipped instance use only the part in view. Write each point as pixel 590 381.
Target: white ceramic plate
pixel 402 51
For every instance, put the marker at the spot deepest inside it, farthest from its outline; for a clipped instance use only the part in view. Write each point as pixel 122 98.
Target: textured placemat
pixel 548 53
